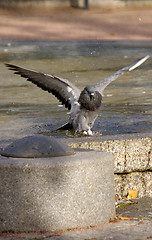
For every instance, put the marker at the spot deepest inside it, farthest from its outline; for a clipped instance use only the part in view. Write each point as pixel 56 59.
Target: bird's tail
pixel 66 126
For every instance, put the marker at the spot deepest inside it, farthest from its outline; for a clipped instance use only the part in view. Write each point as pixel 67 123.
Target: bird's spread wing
pixel 65 91
pixel 100 86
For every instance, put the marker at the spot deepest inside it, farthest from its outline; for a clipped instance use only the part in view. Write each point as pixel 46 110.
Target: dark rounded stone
pixel 37 147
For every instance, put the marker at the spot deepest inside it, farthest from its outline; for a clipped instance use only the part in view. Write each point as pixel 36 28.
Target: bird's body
pixel 84 105
pixel 85 111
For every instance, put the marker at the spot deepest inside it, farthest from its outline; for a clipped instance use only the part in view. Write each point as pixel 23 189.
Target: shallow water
pixel 26 110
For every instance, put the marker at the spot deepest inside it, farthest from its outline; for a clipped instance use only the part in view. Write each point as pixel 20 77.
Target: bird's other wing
pixel 100 86
pixel 65 91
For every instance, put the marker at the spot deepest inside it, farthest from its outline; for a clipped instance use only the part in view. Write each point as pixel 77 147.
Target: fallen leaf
pixel 116 200
pixel 125 218
pixel 132 194
pixel 116 197
pixel 119 218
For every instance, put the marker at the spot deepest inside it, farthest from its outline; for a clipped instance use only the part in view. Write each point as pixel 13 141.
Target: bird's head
pixel 90 99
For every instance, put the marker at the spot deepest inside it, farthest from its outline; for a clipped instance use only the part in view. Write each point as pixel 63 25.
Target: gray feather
pixel 65 91
pixel 100 86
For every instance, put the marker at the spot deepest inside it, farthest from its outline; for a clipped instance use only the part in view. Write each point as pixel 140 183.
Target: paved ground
pixel 132 230
pixel 75 24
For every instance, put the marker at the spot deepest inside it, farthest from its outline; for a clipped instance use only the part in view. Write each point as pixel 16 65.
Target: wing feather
pixel 61 88
pixel 100 86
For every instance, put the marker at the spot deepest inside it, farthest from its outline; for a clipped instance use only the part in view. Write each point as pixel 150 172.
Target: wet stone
pixel 37 147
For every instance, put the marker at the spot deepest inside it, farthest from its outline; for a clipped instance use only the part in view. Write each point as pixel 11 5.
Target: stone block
pixel 137 154
pixel 133 181
pixel 147 176
pixel 56 193
pixel 117 148
pixel 150 161
pixel 118 184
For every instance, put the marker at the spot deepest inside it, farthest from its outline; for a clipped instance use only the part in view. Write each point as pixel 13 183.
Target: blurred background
pixel 75 3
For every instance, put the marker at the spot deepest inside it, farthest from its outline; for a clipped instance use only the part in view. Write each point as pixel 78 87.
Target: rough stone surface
pixel 118 179
pixel 132 160
pixel 137 154
pixel 150 161
pixel 129 154
pixel 118 149
pixel 56 193
pixel 133 181
pixel 139 181
pixel 147 176
pixel 137 227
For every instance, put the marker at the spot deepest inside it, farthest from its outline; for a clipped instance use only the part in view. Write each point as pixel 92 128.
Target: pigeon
pixel 84 105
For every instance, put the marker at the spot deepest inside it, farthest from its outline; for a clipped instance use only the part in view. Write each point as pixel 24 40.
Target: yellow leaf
pixel 116 197
pixel 132 194
pixel 125 218
pixel 119 218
